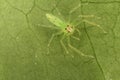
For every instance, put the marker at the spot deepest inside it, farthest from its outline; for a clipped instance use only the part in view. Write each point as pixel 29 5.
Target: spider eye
pixel 67 25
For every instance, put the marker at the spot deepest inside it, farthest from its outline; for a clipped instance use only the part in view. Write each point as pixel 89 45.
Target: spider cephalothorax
pixel 69 29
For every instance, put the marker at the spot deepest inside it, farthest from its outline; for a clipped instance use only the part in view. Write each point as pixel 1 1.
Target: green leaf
pixel 23 40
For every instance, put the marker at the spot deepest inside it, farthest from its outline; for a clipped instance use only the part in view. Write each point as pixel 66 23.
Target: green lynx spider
pixel 68 30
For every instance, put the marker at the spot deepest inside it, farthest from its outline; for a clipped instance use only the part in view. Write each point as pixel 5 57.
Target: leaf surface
pixel 24 40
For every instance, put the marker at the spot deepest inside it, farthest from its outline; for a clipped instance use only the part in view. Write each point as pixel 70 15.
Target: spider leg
pixel 75 8
pixel 78 31
pixel 59 13
pixel 63 45
pixel 89 16
pixel 61 41
pixel 78 6
pixel 78 23
pixel 78 51
pixel 51 39
pixel 45 26
pixel 94 24
pixel 76 38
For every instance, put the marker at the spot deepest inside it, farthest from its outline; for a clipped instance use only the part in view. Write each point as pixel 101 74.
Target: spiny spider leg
pixel 78 51
pixel 73 10
pixel 78 6
pixel 76 38
pixel 78 23
pixel 61 41
pixel 63 45
pixel 51 39
pixel 45 26
pixel 89 16
pixel 59 13
pixel 86 16
pixel 78 31
pixel 95 25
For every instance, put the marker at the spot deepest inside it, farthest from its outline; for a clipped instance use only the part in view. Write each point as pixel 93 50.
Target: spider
pixel 67 30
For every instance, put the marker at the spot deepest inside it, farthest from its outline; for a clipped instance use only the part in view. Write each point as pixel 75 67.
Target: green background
pixel 23 41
